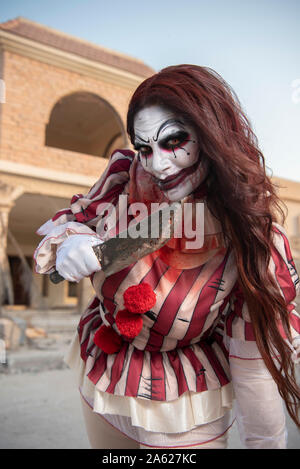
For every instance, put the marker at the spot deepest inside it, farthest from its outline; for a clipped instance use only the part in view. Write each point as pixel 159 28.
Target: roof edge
pixel 78 39
pixel 30 30
pixel 20 45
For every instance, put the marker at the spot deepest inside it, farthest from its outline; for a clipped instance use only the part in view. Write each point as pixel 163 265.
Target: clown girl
pixel 178 344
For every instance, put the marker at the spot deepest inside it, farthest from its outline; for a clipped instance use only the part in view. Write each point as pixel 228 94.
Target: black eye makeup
pixel 175 140
pixel 143 150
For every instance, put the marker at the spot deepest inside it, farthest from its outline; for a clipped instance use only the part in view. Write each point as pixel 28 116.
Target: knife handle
pixel 55 277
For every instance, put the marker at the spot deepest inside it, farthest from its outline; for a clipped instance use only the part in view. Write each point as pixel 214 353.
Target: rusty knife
pixel 138 240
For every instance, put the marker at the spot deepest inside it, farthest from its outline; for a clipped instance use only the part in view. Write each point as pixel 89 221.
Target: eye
pixel 144 150
pixel 175 140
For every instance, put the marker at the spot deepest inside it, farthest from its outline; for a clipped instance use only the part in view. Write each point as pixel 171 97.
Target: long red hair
pixel 241 196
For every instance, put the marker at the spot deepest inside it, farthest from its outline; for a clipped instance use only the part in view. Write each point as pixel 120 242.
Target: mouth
pixel 172 181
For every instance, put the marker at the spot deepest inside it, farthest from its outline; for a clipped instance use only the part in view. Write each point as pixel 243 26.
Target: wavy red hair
pixel 240 194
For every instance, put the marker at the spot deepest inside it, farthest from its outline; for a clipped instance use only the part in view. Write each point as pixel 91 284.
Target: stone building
pixel 63 105
pixel 64 113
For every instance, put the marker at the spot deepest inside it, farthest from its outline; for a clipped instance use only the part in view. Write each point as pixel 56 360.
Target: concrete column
pixel 8 196
pixel 57 294
pixel 6 290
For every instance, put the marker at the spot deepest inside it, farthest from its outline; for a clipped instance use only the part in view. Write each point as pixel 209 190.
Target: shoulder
pixel 122 155
pixel 119 164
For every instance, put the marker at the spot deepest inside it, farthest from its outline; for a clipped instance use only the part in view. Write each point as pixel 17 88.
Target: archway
pixel 85 123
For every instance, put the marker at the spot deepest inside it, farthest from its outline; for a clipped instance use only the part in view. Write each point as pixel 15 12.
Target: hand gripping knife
pixel 153 231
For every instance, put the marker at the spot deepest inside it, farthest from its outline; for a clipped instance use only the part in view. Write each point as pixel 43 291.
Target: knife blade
pixel 137 240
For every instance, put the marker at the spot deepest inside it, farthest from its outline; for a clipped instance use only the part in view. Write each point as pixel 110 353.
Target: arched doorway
pixel 85 123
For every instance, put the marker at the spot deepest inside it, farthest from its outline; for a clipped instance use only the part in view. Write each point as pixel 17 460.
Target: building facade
pixel 63 114
pixel 63 104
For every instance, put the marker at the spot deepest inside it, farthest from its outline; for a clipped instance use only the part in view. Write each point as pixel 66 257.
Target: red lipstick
pixel 172 181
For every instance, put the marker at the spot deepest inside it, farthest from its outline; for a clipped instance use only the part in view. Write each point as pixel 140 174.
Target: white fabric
pixel 296 353
pixel 45 253
pixel 258 407
pixel 213 434
pixel 180 415
pixel 75 258
pixel 238 348
pixel 248 349
pixel 46 228
pixel 258 404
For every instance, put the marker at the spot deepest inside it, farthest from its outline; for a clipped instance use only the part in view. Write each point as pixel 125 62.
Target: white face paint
pixel 169 150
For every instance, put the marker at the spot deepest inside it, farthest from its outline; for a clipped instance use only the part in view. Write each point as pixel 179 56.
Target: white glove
pixel 75 257
pixel 258 405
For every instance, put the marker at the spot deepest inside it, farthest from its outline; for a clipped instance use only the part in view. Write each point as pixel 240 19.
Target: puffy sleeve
pixel 258 406
pixel 85 212
pixel 239 336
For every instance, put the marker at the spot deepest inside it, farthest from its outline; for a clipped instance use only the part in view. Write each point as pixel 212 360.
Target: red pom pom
pixel 129 324
pixel 108 340
pixel 139 298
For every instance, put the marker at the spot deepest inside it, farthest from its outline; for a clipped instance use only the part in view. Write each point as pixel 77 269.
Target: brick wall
pixel 32 89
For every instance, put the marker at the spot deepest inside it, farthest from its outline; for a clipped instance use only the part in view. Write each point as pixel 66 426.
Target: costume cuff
pixel 45 254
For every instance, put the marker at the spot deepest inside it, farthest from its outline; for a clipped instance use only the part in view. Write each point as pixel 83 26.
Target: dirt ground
pixel 43 411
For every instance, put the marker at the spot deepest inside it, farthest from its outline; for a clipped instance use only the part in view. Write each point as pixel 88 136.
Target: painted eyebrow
pixel 165 124
pixel 170 121
pixel 140 138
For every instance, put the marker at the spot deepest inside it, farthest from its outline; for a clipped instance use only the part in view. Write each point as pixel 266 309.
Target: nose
pixel 160 163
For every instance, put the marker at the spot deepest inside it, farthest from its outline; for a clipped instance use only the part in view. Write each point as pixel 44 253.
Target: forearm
pixel 258 405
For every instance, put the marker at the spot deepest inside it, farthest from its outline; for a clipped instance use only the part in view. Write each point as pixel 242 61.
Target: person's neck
pixel 201 190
